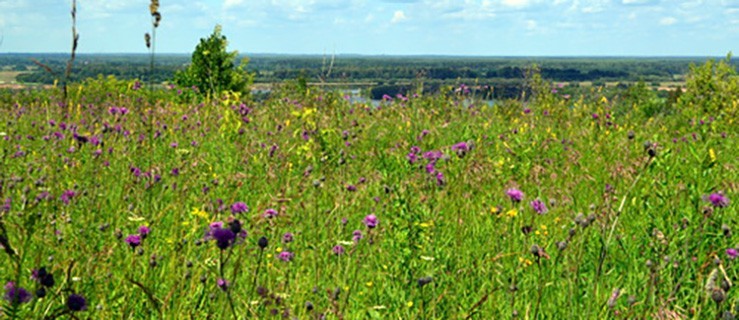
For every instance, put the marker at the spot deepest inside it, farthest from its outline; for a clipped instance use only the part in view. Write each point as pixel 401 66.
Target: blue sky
pixel 390 27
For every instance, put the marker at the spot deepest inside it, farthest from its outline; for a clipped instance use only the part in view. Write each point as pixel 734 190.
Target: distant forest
pixel 385 73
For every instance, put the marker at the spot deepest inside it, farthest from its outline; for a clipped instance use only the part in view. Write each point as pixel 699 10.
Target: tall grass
pixel 634 226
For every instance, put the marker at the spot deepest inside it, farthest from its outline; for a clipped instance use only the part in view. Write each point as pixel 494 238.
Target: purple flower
pixel 732 253
pixel 351 188
pixel 223 284
pixel 43 277
pixel 338 250
pixel 718 200
pixel 133 240
pixel 224 237
pixel 16 295
pixel 144 231
pixel 461 149
pixel 440 181
pixel 239 207
pixel 515 194
pixel 76 302
pixel 269 213
pixel 286 256
pixel 287 237
pixel 357 235
pixel 412 158
pixel 370 221
pixel 432 155
pixel 67 196
pixel 539 206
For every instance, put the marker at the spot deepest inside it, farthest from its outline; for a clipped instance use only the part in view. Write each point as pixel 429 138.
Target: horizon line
pixel 371 55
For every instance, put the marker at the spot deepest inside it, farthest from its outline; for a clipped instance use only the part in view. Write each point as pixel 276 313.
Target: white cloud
pixel 531 25
pixel 232 3
pixel 667 21
pixel 398 16
pixel 516 3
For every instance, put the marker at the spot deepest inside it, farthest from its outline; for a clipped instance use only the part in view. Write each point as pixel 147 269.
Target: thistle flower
pixel 76 302
pixel 718 200
pixel 43 277
pixel 144 231
pixel 269 213
pixel 287 237
pixel 338 250
pixel 16 295
pixel 239 207
pixel 424 281
pixel 223 284
pixel 357 235
pixel 539 206
pixel 286 256
pixel 133 240
pixel 732 253
pixel 370 221
pixel 224 237
pixel 515 194
pixel 461 149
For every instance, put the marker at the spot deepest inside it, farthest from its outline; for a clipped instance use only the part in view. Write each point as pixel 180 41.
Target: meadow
pixel 129 203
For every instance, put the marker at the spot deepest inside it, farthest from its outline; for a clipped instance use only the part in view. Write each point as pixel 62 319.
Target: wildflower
pixel 370 221
pixel 224 237
pixel 412 158
pixel 286 256
pixel 357 235
pixel 67 196
pixel 269 213
pixel 15 294
pixel 287 237
pixel 262 242
pixel 133 240
pixel 440 179
pixel 338 250
pixel 461 149
pixel 239 207
pixel 424 281
pixel 144 231
pixel 732 253
pixel 223 284
pixel 718 200
pixel 45 278
pixel 432 155
pixel 539 206
pixel 76 302
pixel 351 188
pixel 515 194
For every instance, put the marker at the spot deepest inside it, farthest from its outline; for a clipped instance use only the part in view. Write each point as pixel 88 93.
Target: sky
pixel 383 27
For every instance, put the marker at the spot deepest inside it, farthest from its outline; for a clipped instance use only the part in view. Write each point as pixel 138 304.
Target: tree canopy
pixel 213 69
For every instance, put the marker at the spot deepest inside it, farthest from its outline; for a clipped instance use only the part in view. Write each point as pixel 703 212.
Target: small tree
pixel 213 69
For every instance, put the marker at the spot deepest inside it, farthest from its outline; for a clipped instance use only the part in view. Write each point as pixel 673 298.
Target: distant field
pixel 7 77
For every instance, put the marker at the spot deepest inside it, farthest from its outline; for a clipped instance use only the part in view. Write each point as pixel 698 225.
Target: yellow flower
pixel 369 284
pixel 200 213
pixel 712 154
pixel 409 304
pixel 512 213
pixel 494 210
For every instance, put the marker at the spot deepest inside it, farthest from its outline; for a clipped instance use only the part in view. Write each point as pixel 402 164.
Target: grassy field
pixel 133 204
pixel 7 77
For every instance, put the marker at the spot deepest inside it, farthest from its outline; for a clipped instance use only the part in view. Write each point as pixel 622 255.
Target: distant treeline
pixel 384 70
